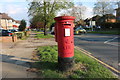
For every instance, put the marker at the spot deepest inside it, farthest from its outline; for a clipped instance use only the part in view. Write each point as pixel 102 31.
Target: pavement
pixel 16 57
pixel 103 47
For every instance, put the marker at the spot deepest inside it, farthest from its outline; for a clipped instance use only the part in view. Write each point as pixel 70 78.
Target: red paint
pixel 55 32
pixel 10 34
pixel 65 43
pixel 15 26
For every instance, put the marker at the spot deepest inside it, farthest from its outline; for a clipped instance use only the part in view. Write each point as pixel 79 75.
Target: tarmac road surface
pixel 102 46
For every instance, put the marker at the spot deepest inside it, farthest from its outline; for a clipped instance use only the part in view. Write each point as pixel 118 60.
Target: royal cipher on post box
pixel 64 36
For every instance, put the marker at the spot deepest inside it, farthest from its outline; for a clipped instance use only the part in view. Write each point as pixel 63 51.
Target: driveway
pixel 16 57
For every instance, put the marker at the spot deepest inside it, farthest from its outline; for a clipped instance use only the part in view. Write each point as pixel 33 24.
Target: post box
pixel 65 38
pixel 55 30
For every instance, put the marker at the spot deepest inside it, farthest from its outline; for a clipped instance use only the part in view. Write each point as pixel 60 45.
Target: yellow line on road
pixel 88 53
pixel 85 51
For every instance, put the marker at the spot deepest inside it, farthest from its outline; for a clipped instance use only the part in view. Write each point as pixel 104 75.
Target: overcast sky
pixel 18 9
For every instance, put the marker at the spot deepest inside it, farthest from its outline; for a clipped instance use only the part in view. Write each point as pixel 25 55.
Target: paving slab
pixel 16 57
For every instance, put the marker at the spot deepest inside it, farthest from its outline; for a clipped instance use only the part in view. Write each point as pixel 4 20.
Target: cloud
pixel 13 1
pixel 85 0
pixel 15 9
pixel 95 0
pixel 1 7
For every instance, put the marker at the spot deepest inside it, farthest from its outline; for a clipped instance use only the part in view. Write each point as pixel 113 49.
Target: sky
pixel 17 9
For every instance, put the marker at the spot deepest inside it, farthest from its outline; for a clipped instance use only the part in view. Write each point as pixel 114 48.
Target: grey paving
pixel 16 57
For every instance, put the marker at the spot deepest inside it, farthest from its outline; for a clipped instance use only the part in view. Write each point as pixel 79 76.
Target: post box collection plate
pixel 67 32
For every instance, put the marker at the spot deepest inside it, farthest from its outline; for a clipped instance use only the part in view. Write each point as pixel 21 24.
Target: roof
pixel 18 21
pixel 5 16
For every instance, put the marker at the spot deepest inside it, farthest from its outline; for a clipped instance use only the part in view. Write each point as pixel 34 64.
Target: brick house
pixel 6 22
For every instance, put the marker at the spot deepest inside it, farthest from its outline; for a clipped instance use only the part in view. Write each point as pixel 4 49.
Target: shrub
pixel 20 35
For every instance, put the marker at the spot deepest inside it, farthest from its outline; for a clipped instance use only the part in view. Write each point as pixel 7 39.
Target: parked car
pixel 79 30
pixel 13 30
pixel 52 27
pixel 52 31
pixel 5 32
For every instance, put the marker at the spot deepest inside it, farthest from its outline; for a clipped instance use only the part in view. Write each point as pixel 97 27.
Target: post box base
pixel 65 64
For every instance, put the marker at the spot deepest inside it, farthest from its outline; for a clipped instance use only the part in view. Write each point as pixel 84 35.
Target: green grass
pixel 38 32
pixel 106 32
pixel 87 67
pixel 44 36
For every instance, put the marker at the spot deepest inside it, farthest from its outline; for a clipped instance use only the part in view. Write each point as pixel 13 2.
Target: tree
pixel 22 25
pixel 46 10
pixel 103 7
pixel 35 23
pixel 76 11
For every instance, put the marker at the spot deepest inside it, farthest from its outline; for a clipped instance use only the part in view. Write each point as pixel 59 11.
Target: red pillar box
pixel 65 38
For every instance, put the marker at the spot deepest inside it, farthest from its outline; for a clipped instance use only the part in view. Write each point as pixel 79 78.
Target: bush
pixel 26 33
pixel 22 25
pixel 110 25
pixel 20 35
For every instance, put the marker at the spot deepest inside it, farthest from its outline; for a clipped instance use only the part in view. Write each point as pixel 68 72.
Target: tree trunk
pixel 45 29
pixel 45 24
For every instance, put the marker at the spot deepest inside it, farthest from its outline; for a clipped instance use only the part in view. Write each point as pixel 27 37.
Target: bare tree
pixel 103 7
pixel 76 11
pixel 118 3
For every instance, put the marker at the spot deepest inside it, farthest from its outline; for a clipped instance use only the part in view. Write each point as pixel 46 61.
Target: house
pixel 16 24
pixel 111 20
pixel 118 12
pixel 6 22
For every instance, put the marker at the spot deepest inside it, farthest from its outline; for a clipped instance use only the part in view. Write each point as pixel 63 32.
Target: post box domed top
pixel 64 18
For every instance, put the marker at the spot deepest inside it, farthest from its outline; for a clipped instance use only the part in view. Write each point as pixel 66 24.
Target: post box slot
pixel 67 24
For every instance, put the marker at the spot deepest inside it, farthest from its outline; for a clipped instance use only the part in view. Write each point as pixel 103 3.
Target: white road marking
pixel 112 44
pixel 107 42
pixel 110 40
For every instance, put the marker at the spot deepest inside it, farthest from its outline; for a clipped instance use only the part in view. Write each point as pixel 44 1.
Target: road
pixel 103 47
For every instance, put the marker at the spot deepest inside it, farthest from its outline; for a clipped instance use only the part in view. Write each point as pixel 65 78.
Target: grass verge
pixel 38 32
pixel 44 36
pixel 84 67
